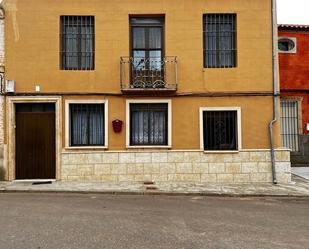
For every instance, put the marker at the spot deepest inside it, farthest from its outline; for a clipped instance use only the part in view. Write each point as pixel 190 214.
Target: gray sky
pixel 293 11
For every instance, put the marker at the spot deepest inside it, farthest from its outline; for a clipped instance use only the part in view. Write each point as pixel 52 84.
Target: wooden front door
pixel 35 141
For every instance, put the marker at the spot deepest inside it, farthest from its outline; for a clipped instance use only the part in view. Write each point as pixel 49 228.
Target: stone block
pixel 232 168
pixel 77 159
pixel 283 178
pixel 283 166
pixel 184 168
pixel 249 167
pixel 159 177
pixel 184 177
pixel 257 156
pixel 85 170
pixel 151 168
pixel 208 158
pixel 109 178
pixel 264 167
pixel 167 168
pixel 209 178
pixel 159 157
pixel 75 178
pixel 171 177
pixel 175 157
pixel 94 158
pixel 200 168
pixel 119 169
pixel 244 156
pixel 65 159
pixel 138 178
pixel 143 157
pixel 258 177
pixel 285 156
pixel 102 169
pixel 93 178
pixel 225 178
pixel 126 178
pixel 192 157
pixel 135 168
pixel 126 157
pixel 69 170
pixel 216 168
pixel 224 158
pixel 241 178
pixel 110 158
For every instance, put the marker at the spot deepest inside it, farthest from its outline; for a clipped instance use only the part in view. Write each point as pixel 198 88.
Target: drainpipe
pixel 275 89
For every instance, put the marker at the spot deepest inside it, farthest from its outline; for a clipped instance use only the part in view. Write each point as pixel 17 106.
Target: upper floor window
pixel 77 43
pixel 220 49
pixel 147 50
pixel 287 45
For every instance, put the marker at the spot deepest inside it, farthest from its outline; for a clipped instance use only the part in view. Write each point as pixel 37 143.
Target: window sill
pixel 150 147
pixel 221 152
pixel 216 68
pixel 86 148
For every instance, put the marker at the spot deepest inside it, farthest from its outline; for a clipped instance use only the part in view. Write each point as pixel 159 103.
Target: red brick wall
pixel 294 72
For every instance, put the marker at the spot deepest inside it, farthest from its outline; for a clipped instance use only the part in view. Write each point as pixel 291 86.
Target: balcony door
pixel 147 53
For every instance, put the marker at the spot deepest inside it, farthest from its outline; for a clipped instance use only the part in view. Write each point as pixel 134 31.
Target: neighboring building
pixel 2 69
pixel 138 90
pixel 294 81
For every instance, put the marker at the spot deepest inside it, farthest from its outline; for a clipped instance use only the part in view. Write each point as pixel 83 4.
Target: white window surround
pixel 292 51
pixel 67 123
pixel 239 138
pixel 149 101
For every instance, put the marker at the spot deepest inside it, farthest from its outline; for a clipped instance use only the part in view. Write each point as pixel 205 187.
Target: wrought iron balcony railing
pixel 140 74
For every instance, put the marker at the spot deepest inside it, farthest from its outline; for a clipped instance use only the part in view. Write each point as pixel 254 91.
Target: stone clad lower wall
pixel 175 166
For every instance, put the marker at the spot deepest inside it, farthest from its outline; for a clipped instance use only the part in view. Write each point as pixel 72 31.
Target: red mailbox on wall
pixel 117 125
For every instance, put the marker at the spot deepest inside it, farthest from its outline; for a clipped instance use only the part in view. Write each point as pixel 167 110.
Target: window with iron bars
pixel 220 130
pixel 77 42
pixel 87 125
pixel 220 49
pixel 290 124
pixel 148 124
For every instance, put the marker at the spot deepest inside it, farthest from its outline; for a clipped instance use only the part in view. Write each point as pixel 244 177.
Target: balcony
pixel 140 75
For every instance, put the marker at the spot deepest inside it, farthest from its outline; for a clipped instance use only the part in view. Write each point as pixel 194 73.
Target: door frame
pixel 11 124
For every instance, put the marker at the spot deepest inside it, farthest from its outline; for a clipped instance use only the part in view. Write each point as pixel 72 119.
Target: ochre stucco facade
pixel 32 59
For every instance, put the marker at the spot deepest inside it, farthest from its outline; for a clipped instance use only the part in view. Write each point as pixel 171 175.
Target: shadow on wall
pixel 2 173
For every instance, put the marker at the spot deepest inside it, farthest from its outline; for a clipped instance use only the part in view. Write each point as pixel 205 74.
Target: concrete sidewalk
pixel 299 187
pixel 301 172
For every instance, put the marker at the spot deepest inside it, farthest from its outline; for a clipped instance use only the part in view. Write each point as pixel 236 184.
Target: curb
pixel 153 193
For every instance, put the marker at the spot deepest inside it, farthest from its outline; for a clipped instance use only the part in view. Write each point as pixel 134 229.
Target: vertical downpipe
pixel 275 89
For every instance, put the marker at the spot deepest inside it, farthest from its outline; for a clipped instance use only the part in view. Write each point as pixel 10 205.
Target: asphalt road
pixel 101 221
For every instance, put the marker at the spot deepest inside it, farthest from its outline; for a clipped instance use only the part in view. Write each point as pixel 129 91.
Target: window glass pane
pixel 155 60
pixel 79 122
pixel 139 59
pixel 155 38
pixel 139 38
pixel 148 124
pixel 220 130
